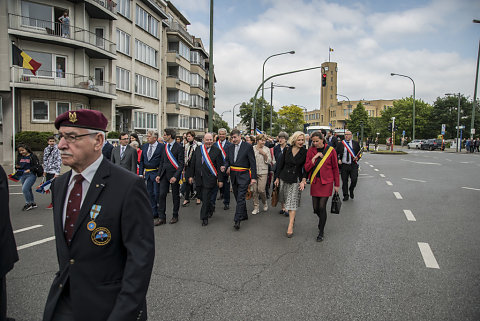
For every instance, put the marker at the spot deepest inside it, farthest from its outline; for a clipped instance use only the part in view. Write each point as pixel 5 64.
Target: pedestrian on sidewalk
pixel 291 176
pixel 262 158
pixel 52 161
pixel 29 165
pixel 322 166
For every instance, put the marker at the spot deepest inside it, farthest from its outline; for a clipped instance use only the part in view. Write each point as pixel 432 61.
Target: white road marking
pixel 414 180
pixel 15 193
pixel 428 257
pixel 369 176
pixel 381 175
pixel 367 163
pixel 471 188
pixel 13 185
pixel 398 196
pixel 389 183
pixel 48 239
pixel 370 165
pixel 27 229
pixel 465 162
pixel 423 163
pixel 409 215
pixel 362 174
pixel 375 169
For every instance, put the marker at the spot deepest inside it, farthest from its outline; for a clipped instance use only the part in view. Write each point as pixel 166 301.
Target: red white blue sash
pixel 349 149
pixel 207 160
pixel 170 156
pixel 224 155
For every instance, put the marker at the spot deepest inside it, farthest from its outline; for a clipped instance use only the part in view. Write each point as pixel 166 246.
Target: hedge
pixel 37 141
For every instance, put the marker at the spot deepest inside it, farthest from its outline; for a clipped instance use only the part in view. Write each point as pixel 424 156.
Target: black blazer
pixel 129 160
pixel 154 162
pixel 166 168
pixel 289 168
pixel 203 176
pixel 107 282
pixel 107 151
pixel 8 248
pixel 341 149
pixel 245 159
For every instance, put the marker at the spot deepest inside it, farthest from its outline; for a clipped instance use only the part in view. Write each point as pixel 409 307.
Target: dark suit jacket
pixel 107 151
pixel 166 168
pixel 8 248
pixel 333 142
pixel 341 149
pixel 203 176
pixel 246 159
pixel 107 282
pixel 154 162
pixel 129 160
pixel 225 148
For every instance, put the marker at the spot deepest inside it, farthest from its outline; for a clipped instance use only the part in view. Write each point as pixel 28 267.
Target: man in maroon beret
pixel 103 229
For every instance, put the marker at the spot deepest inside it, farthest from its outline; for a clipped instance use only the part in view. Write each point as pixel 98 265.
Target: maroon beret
pixel 83 118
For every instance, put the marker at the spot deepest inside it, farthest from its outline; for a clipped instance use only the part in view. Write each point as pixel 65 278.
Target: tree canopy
pixel 290 119
pixel 246 110
pixel 218 123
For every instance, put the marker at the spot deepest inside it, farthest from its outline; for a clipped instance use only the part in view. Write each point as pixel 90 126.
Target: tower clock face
pixel 326 68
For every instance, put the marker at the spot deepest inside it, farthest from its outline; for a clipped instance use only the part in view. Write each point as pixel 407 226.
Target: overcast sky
pixel 434 42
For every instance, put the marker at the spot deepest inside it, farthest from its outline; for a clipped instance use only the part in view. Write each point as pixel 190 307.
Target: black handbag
pixel 336 204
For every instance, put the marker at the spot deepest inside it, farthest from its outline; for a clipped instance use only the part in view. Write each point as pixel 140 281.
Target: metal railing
pixel 61 79
pixel 60 30
pixel 107 4
pixel 175 26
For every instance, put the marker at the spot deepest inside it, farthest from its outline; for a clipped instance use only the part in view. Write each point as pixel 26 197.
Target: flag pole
pixel 13 116
pixel 329 54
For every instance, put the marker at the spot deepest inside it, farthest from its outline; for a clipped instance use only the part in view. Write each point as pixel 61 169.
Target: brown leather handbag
pixel 275 196
pixel 249 194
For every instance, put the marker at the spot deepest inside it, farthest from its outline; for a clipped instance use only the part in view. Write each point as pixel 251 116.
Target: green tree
pixel 245 113
pixel 218 123
pixel 359 117
pixel 445 112
pixel 290 119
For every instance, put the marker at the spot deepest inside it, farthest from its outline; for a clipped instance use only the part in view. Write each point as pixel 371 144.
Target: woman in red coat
pixel 321 180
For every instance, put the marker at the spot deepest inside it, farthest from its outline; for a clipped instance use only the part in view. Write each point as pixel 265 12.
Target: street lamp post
pixel 233 125
pixel 472 127
pixel 252 124
pixel 211 77
pixel 349 107
pixel 272 85
pixel 458 119
pixel 263 73
pixel 413 130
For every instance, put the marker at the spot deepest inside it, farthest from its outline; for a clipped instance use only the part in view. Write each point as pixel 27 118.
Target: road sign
pixel 403 133
pixel 461 127
pixel 443 129
pixel 472 131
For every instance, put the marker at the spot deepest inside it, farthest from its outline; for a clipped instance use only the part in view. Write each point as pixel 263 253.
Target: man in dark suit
pixel 205 167
pixel 125 155
pixel 8 248
pixel 103 230
pixel 169 173
pixel 242 167
pixel 222 144
pixel 347 152
pixel 332 140
pixel 107 150
pixel 149 164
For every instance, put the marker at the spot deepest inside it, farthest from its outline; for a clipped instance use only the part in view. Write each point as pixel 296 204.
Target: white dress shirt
pixel 345 152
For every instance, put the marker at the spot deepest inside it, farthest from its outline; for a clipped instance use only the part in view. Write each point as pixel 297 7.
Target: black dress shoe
pixel 345 198
pixel 210 214
pixel 204 222
pixel 319 238
pixel 226 207
pixel 157 221
pixel 281 212
pixel 237 225
pixel 351 195
pixel 174 220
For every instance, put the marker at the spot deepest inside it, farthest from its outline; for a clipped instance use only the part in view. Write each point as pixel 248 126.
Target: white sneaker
pixel 255 211
pixel 265 207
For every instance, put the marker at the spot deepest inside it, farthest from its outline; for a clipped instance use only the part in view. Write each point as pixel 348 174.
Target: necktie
pixel 122 153
pixel 73 207
pixel 150 152
pixel 237 147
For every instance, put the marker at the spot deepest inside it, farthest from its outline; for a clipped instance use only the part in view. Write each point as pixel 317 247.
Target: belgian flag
pixel 20 58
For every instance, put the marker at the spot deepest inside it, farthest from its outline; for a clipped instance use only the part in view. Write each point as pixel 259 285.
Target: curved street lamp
pixel 413 131
pixel 233 125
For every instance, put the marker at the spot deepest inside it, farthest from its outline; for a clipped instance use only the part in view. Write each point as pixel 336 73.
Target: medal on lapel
pixel 101 236
pixel 93 215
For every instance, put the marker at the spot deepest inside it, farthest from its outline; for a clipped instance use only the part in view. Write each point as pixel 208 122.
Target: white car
pixel 416 143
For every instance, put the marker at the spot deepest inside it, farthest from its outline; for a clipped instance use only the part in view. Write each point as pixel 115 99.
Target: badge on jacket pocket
pixel 101 236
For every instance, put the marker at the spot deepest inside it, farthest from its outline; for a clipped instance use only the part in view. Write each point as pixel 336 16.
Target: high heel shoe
pixel 185 204
pixel 289 235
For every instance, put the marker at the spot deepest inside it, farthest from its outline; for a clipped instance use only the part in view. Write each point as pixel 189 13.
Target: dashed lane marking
pixel 382 175
pixel 15 193
pixel 389 183
pixel 428 257
pixel 414 180
pixel 471 188
pixel 48 239
pixel 375 169
pixel 398 195
pixel 423 163
pixel 27 229
pixel 370 165
pixel 409 215
pixel 367 163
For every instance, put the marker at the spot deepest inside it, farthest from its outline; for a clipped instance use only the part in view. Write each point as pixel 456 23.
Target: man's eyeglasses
pixel 71 138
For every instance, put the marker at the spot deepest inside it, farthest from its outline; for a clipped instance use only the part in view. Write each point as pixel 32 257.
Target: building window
pixel 142 120
pixel 45 59
pixel 1 111
pixel 197 59
pixel 146 86
pixel 123 79
pixel 197 123
pixel 184 50
pixel 198 81
pixel 184 75
pixel 36 15
pixel 78 106
pixel 123 42
pixel 40 110
pixel 62 107
pixel 124 8
pixel 146 21
pixel 197 102
pixel 145 53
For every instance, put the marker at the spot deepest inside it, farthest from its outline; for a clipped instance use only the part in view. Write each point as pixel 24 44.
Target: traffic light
pixel 390 127
pixel 324 80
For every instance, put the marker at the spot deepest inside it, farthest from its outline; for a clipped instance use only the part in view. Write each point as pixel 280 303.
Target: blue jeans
pixel 28 179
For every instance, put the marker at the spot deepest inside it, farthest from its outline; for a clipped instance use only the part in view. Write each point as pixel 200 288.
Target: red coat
pixel 322 184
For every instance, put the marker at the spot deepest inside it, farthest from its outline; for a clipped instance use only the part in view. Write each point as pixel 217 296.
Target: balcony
pixel 63 35
pixel 175 27
pixel 101 9
pixel 66 82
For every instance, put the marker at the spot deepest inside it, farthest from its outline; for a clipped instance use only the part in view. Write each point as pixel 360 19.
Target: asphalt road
pixel 406 248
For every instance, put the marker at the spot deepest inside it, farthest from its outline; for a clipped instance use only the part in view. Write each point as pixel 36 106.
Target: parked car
pixel 432 144
pixel 416 143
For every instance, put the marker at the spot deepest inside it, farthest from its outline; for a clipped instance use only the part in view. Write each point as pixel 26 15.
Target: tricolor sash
pixel 350 150
pixel 170 156
pixel 224 155
pixel 241 169
pixel 320 164
pixel 207 160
